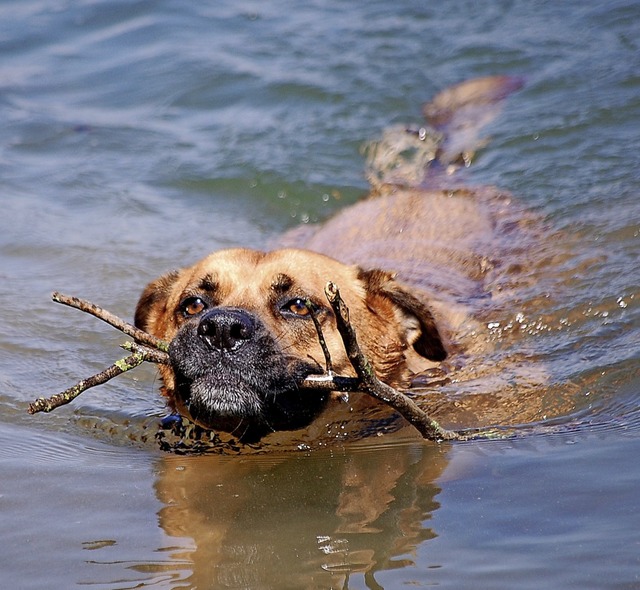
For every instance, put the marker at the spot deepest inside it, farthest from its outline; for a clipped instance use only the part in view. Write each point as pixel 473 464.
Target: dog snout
pixel 226 329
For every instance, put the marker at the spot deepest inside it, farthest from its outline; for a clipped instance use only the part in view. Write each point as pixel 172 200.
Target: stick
pixel 151 349
pixel 146 348
pixel 113 320
pixel 55 401
pixel 332 382
pixel 151 355
pixel 139 355
pixel 313 310
pixel 429 428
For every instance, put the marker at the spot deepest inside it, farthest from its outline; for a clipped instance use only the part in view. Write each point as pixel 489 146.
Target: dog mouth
pixel 232 375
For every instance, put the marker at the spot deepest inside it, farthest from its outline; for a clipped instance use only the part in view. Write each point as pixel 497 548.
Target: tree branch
pixel 313 310
pixel 145 348
pixel 55 401
pixel 369 382
pixel 113 320
pixel 150 355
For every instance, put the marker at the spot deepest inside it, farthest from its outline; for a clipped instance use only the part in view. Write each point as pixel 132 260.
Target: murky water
pixel 138 136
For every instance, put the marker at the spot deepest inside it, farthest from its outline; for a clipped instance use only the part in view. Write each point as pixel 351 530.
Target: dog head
pixel 242 337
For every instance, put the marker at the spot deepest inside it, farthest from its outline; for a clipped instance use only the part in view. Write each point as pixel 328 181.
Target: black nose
pixel 226 328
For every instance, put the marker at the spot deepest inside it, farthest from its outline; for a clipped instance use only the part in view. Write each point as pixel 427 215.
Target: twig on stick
pixel 113 320
pixel 151 355
pixel 145 348
pixel 313 310
pixel 370 383
pixel 331 382
pixel 60 399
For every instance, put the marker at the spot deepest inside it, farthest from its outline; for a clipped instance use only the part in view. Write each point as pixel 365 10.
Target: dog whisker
pixel 266 422
pixel 237 428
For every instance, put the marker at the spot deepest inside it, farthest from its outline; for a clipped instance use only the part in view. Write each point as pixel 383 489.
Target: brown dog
pixel 412 264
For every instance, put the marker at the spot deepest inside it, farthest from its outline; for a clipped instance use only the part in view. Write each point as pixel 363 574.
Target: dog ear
pixel 154 299
pixel 422 332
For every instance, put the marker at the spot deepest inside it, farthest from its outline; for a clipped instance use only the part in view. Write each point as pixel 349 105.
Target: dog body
pixel 442 245
pixel 412 263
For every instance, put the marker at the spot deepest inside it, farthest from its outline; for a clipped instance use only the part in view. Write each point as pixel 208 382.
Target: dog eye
pixel 296 307
pixel 193 306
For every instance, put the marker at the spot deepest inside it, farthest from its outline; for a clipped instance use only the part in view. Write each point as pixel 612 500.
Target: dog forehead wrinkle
pixel 208 283
pixel 312 270
pixel 281 283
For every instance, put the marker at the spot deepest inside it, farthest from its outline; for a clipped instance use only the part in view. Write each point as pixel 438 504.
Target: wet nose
pixel 226 329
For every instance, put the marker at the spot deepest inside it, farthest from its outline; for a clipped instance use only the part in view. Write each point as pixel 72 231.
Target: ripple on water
pixel 41 448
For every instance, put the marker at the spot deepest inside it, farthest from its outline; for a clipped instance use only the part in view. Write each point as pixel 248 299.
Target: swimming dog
pixel 412 260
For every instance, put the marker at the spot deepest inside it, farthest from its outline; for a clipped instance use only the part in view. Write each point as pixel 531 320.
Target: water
pixel 138 136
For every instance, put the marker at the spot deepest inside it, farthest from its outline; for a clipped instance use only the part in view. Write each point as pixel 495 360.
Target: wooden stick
pixel 151 355
pixel 146 348
pixel 331 382
pixel 151 349
pixel 113 320
pixel 60 399
pixel 313 310
pixel 140 354
pixel 408 409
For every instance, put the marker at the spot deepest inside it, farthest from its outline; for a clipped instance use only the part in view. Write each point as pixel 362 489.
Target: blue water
pixel 139 136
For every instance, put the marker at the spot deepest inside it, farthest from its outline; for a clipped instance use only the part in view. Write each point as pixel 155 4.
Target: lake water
pixel 139 136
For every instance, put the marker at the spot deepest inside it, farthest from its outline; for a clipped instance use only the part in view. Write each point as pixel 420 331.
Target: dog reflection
pixel 297 521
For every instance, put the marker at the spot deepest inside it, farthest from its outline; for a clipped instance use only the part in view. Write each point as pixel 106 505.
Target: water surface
pixel 139 136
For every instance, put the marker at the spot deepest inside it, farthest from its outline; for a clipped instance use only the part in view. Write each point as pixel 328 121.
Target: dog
pixel 415 261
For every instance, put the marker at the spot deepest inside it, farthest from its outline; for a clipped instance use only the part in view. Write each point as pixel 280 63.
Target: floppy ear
pixel 421 329
pixel 153 300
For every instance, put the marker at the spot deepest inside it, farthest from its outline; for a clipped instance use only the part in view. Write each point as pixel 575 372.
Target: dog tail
pixel 461 111
pixel 427 155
